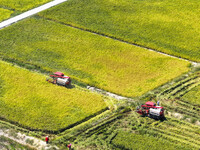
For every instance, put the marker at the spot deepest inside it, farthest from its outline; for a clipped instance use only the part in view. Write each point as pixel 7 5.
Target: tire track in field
pixel 121 40
pixel 30 13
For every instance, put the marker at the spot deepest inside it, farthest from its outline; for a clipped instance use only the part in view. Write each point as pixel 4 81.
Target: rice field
pixel 96 60
pixel 168 26
pixel 28 100
pixel 19 5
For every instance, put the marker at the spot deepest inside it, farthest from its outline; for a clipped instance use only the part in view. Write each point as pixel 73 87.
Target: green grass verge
pixel 168 26
pixel 96 60
pixel 32 102
pixel 22 5
pixel 5 14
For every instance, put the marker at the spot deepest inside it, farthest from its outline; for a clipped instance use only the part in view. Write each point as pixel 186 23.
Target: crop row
pixel 181 86
pixel 172 132
pixel 182 96
pixel 177 133
pixel 131 141
pixel 135 132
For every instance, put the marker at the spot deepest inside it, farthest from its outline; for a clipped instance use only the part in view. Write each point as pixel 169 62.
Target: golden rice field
pixel 96 60
pixel 22 5
pixel 26 98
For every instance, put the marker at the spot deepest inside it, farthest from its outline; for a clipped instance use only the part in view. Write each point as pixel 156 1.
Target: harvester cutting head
pixel 60 79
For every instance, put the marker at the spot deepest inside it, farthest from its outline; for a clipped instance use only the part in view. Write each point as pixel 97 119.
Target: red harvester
pixel 60 79
pixel 151 110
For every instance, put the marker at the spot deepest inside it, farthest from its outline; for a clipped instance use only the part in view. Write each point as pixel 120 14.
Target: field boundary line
pixel 30 13
pixel 194 63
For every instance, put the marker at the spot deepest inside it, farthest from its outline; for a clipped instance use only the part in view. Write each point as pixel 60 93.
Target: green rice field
pixel 27 99
pixel 168 26
pixel 96 60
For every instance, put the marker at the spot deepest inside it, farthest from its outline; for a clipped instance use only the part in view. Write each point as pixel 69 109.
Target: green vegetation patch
pixel 193 95
pixel 6 143
pixel 22 5
pixel 96 60
pixel 34 103
pixel 131 141
pixel 5 14
pixel 168 26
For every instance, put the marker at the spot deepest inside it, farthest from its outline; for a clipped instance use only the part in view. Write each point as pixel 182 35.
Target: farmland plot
pixel 96 60
pixel 132 132
pixel 27 99
pixel 168 26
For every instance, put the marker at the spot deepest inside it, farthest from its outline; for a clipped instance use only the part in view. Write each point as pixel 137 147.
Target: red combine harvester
pixel 60 79
pixel 151 110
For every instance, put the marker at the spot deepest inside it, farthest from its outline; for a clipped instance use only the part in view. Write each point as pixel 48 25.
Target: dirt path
pixel 118 97
pixel 26 140
pixel 30 13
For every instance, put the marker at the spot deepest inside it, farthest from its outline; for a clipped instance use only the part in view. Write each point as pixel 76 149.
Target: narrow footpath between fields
pixel 30 13
pixel 31 141
pixel 26 140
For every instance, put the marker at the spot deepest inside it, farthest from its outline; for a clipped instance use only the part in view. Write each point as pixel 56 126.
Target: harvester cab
pixel 60 79
pixel 151 110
